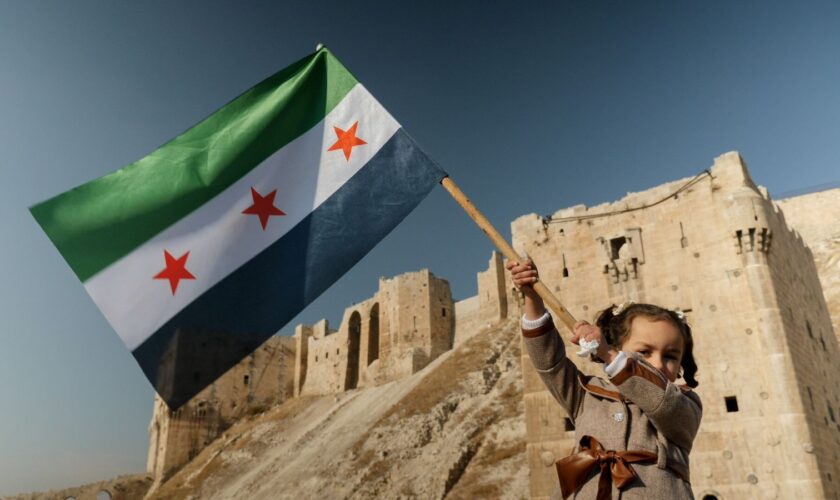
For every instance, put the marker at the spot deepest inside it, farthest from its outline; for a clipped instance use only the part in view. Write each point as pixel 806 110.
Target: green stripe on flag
pixel 97 223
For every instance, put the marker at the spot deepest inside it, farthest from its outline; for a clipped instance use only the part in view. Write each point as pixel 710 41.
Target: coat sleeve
pixel 674 412
pixel 558 373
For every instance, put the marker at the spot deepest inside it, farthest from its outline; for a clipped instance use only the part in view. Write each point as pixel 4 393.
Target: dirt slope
pixel 453 430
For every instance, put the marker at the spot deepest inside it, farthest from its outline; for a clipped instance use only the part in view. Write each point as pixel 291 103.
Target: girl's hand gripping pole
pixel 550 300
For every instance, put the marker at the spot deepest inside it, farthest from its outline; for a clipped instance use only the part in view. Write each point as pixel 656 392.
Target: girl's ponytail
pixel 689 366
pixel 606 321
pixel 613 322
pixel 611 326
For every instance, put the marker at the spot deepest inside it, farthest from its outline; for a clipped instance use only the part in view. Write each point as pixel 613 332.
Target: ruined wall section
pixel 324 374
pixel 378 371
pixel 408 322
pixel 683 253
pixel 467 321
pixel 402 297
pixel 302 335
pixel 492 292
pixel 349 357
pixel 496 300
pixel 370 342
pixel 263 378
pixel 441 317
pixel 361 332
pixel 415 305
pixel 176 437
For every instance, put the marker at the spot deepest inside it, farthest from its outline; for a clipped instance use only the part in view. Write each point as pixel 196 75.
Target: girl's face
pixel 659 342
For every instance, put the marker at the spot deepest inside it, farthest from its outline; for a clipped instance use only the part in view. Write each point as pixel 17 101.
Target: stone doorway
pixel 373 334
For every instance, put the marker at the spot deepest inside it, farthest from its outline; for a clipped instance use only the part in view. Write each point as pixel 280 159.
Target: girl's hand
pixel 584 331
pixel 524 276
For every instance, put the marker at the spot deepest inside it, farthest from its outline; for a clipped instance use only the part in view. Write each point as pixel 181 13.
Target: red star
pixel 263 207
pixel 347 140
pixel 175 270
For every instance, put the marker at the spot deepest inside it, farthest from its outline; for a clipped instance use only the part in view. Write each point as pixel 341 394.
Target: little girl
pixel 635 429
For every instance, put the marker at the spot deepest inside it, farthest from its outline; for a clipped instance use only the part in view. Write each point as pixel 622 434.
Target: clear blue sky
pixel 530 107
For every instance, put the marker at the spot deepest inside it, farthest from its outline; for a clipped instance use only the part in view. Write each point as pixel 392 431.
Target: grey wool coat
pixel 636 409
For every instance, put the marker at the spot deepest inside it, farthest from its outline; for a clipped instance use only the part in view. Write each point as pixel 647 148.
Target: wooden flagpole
pixel 507 250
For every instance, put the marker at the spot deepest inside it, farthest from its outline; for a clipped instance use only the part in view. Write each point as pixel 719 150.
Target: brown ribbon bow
pixel 575 469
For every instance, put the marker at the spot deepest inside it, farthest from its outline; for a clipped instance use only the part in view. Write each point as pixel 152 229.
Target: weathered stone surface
pixel 816 217
pixel 722 252
pixel 407 324
pixel 258 382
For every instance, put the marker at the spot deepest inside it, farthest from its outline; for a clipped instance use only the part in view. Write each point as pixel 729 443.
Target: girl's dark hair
pixel 616 328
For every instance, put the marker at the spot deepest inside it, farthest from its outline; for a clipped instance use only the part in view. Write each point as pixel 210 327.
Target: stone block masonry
pixel 261 380
pixel 722 252
pixel 408 323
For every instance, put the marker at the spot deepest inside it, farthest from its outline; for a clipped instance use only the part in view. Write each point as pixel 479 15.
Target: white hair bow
pixel 616 310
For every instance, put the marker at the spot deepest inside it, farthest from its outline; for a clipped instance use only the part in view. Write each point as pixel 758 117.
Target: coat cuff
pixel 634 368
pixel 532 324
pixel 537 327
pixel 617 364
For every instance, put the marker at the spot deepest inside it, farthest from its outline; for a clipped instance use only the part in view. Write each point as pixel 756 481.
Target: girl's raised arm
pixel 544 345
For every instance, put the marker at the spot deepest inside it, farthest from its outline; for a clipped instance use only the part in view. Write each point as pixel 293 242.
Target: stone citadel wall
pixel 395 333
pixel 816 216
pixel 721 251
pixel 408 323
pixel 262 379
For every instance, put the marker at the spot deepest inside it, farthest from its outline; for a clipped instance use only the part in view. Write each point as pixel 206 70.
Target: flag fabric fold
pixel 202 250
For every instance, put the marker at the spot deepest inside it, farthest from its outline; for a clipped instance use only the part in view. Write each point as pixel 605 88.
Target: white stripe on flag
pixel 220 238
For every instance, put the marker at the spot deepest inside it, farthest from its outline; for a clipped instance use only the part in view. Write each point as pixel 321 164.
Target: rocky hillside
pixel 453 430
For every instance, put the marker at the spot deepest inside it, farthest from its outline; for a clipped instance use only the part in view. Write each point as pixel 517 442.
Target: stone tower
pixel 420 318
pixel 721 251
pixel 408 323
